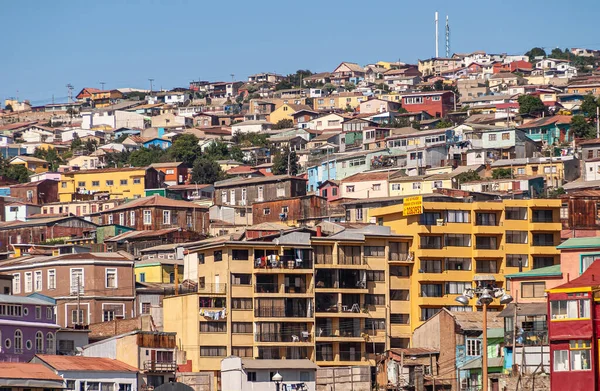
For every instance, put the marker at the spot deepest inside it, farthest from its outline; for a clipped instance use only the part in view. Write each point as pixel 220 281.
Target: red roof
pixel 27 370
pixel 244 169
pixel 590 277
pixel 556 119
pixel 81 363
pixel 507 106
pixel 155 200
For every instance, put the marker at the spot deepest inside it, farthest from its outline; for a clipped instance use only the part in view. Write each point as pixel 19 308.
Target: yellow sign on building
pixel 413 206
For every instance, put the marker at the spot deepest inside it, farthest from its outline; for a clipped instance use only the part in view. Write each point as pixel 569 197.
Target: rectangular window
pixel 137 181
pixel 473 347
pixel 430 266
pixel 374 299
pixel 431 290
pixel 570 309
pixel 213 351
pixel 123 182
pixel 121 218
pixel 242 351
pixel 241 328
pixel 431 242
pixel 457 288
pixel 218 256
pixel 532 289
pixel 16 283
pixel 111 278
pixel 81 184
pixel 110 219
pixel 488 219
pixel 542 216
pixel 132 218
pixel 38 312
pixel 241 304
pixel 38 281
pixel 266 211
pixel 539 262
pixel 516 213
pixel 543 239
pixel 241 279
pixel 492 137
pixel 457 240
pixel 77 280
pixel 109 182
pixel 586 261
pixel 251 376
pixel 166 217
pixel 147 217
pixel 486 243
pixel 518 237
pixel 28 282
pixel 513 260
pixel 95 183
pixel 458 263
pixel 427 313
pixel 239 255
pixel 374 251
pixel 506 136
pixel 375 275
pixel 213 327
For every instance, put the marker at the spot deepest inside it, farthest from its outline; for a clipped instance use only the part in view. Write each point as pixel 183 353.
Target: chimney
pixel 319 231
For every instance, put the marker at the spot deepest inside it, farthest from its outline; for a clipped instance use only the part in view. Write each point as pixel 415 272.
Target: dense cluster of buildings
pixel 405 186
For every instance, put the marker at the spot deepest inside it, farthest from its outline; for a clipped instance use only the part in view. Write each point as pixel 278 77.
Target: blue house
pixel 157 142
pixel 321 172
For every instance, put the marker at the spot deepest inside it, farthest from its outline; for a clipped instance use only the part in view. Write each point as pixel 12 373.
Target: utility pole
pixel 289 159
pixel 597 122
pixel 232 76
pixel 151 80
pixel 102 83
pixel 78 299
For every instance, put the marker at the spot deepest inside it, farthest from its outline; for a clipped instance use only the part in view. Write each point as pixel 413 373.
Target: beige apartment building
pixel 296 295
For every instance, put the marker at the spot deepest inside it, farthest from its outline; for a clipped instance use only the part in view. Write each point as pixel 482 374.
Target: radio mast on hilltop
pixel 447 38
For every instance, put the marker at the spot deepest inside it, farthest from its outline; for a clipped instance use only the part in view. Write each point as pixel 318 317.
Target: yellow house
pixel 556 170
pixel 31 163
pixel 455 240
pixel 109 182
pixel 423 184
pixel 84 162
pixel 286 111
pixel 161 271
pixel 339 101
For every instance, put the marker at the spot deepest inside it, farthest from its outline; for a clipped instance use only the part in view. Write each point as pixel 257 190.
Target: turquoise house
pixel 552 130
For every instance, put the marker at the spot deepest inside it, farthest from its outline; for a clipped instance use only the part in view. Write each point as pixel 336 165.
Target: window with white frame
pixel 51 279
pixel 260 193
pixel 224 197
pixel 111 278
pixel 147 217
pixel 570 309
pixel 166 217
pixel 110 219
pixel 77 280
pixel 38 286
pixel 16 283
pixel 587 260
pixel 121 218
pixel 132 218
pixel 473 347
pixel 28 282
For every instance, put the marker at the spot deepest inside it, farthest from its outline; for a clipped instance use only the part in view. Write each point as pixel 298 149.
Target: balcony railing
pixel 402 257
pixel 266 287
pixel 302 336
pixel 542 219
pixel 215 288
pixel 159 366
pixel 528 338
pixel 350 260
pixel 324 356
pixel 278 312
pixel 351 356
pixel 284 262
pixel 337 308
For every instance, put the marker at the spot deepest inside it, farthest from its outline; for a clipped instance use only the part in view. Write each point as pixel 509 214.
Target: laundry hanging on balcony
pixel 214 315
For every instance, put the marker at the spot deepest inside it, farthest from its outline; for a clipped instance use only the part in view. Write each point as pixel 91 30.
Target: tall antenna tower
pixel 437 40
pixel 102 83
pixel 69 93
pixel 447 38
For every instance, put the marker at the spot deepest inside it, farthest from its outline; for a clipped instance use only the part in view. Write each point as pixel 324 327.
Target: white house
pixel 114 118
pixel 253 126
pixel 69 135
pixel 246 374
pixel 20 211
pixel 91 373
pixel 328 121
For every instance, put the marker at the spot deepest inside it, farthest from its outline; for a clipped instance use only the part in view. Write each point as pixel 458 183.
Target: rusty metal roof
pixel 81 363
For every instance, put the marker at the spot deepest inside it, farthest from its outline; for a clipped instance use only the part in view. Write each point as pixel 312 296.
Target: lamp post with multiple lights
pixel 485 291
pixel 277 378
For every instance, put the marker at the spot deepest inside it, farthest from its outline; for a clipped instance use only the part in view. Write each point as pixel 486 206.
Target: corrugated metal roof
pixel 548 271
pixel 476 363
pixel 21 300
pixel 81 363
pixel 524 309
pixel 29 371
pixel 590 242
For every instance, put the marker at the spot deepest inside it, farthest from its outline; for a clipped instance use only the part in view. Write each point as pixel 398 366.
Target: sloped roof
pixel 82 363
pixel 368 176
pixel 589 242
pixel 473 321
pixel 166 165
pixel 548 271
pixel 544 121
pixel 28 371
pixel 29 159
pixel 589 278
pixel 154 200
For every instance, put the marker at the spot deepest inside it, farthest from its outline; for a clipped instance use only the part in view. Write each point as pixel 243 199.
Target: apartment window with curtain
pixel 539 262
pixel 576 358
pixel 517 237
pixel 515 213
pixel 533 289
pixel 487 266
pixel 431 266
pixel 431 290
pixel 486 243
pixel 542 216
pixel 457 240
pixel 431 242
pixel 457 287
pixel 512 260
pixel 430 218
pixel 427 313
pixel 458 263
pixel 213 327
pixel 543 239
pixel 587 260
pixel 486 219
pixel 570 309
pixel 458 216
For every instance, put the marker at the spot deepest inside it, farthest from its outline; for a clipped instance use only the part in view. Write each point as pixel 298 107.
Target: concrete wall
pixel 199 381
pixel 344 379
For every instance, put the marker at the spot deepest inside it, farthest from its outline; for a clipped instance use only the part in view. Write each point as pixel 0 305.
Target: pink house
pixel 329 189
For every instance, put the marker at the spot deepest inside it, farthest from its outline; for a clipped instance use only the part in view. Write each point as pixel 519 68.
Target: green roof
pixel 591 242
pixel 548 271
pixel 495 333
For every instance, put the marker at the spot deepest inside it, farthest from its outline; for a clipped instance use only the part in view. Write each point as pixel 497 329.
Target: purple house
pixel 27 326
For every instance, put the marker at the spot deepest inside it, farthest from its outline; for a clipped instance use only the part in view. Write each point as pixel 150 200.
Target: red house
pixel 435 103
pixel 329 189
pixel 573 328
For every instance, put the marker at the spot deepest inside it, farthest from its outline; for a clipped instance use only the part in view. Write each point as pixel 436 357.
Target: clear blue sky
pixel 48 44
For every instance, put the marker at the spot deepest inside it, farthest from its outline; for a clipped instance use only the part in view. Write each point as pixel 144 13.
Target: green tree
pixel 281 163
pixel 144 157
pixel 581 127
pixel 236 153
pixel 185 149
pixel 348 86
pixel 535 52
pixel 444 124
pixel 329 88
pixel 206 171
pixel 117 159
pixel 217 150
pixel 533 105
pixel 250 139
pixel 285 84
pixel 556 193
pixel 589 106
pixel 438 85
pixel 502 173
pixel 90 145
pixel 51 156
pixel 383 87
pixel 284 124
pixel 468 176
pixel 121 138
pixel 76 143
pixel 17 172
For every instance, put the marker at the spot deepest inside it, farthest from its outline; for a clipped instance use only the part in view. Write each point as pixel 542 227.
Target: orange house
pixel 176 173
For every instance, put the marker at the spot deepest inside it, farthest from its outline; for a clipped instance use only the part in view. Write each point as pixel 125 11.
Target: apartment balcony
pixel 399 306
pixel 399 282
pixel 300 338
pixel 444 227
pixel 543 225
pixel 489 229
pixel 286 263
pixel 543 250
pixel 400 331
pixel 280 312
pixel 400 258
pixel 212 288
pixel 160 366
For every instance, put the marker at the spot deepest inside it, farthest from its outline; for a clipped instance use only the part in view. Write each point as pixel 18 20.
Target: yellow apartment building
pixel 454 240
pixel 324 298
pixel 109 183
pixel 339 101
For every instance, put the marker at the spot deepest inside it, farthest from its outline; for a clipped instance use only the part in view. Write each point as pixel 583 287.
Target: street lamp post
pixel 485 291
pixel 277 378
